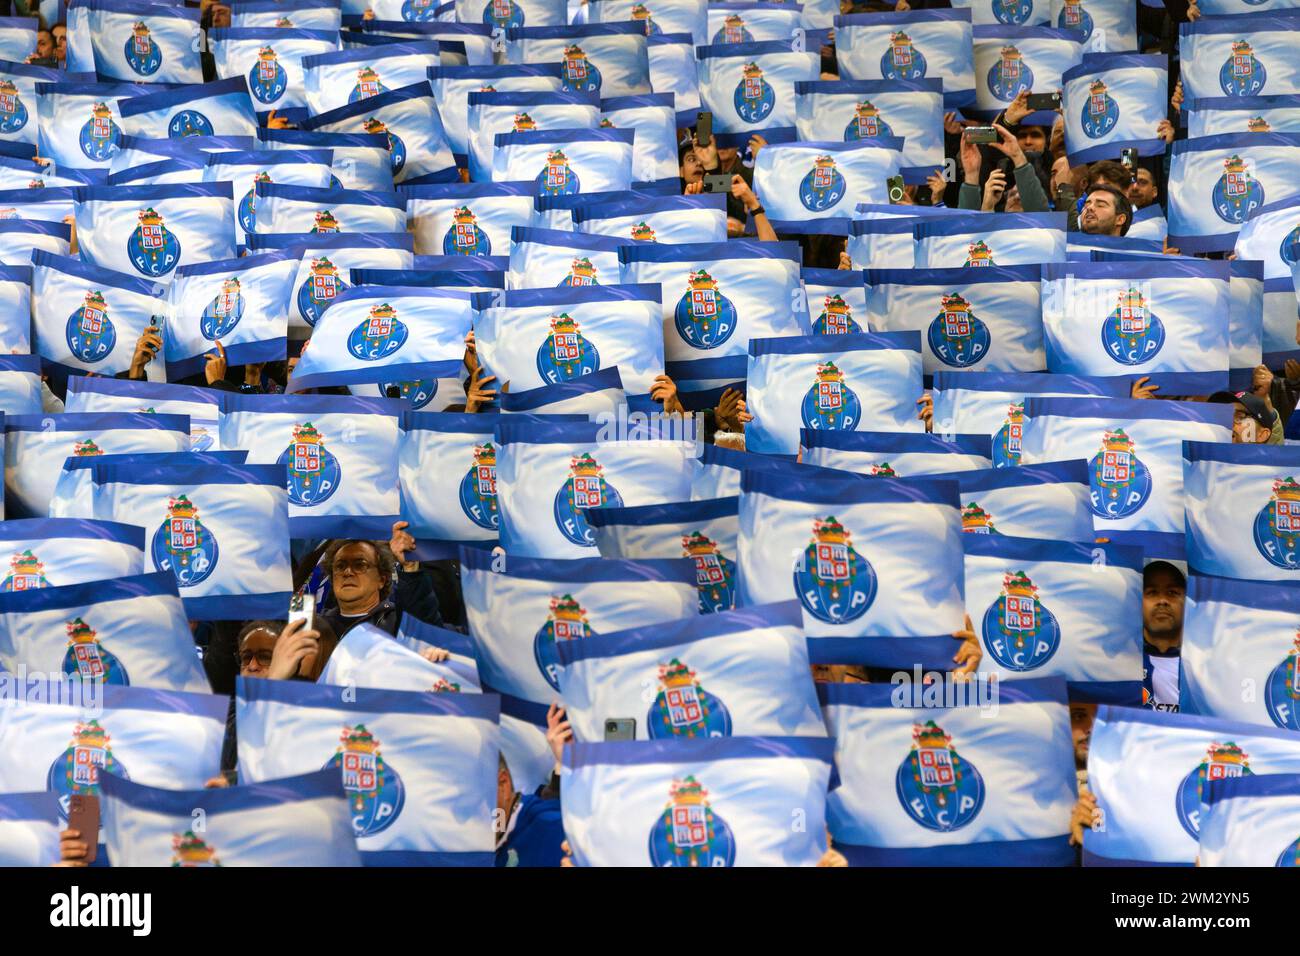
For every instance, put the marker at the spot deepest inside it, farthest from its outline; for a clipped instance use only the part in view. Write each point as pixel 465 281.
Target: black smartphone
pixel 894 185
pixel 153 327
pixel 982 134
pixel 83 816
pixel 704 128
pixel 1044 101
pixel 1129 157
pixel 620 728
pixel 717 183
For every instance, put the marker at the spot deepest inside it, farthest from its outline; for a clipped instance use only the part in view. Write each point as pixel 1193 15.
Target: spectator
pixel 44 45
pixel 1108 172
pixel 371 582
pixel 1106 212
pixel 1028 184
pixel 1254 420
pixel 60 34
pixel 1164 589
pixel 1144 191
pixel 530 830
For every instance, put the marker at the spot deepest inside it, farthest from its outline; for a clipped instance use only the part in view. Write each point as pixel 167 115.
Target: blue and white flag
pixel 884 243
pixel 399 13
pixel 697 802
pixel 536 337
pixel 16 173
pixel 220 108
pixel 492 113
pixel 221 530
pixel 169 172
pixel 1163 319
pixel 557 211
pixel 19 111
pixel 1238 635
pixel 659 16
pixel 1151 771
pixel 409 116
pixel 467 219
pixel 245 169
pixel 16 310
pixel 74 492
pixel 596 397
pixel 360 160
pixel 980 240
pixel 704 531
pixel 150 230
pixel 1216 182
pixel 1252 821
pixel 369 657
pixel 915 45
pixel 834 110
pixel 419 636
pixel 606 58
pixel 339 455
pixel 1148 223
pixel 54 552
pixel 137 151
pixel 141 42
pixel 837 300
pixel 563 162
pixel 750 88
pixel 1270 235
pixel 292 821
pixel 1058 609
pixel 24 237
pixel 88 319
pixel 452 86
pixel 17 37
pixel 1005 12
pixel 1113 21
pixel 1113 101
pixel 894 454
pixel 547 258
pixel 20 385
pixel 981 320
pixel 386 334
pixel 80 122
pixel 801 184
pixel 750 22
pixel 1134 450
pixel 129 632
pixel 1225 484
pixel 42 443
pixel 1245 322
pixel 29 829
pixel 861 555
pixel 1213 115
pixel 969 783
pixel 243 302
pixel 303 209
pixel 1240 56
pixel 337 78
pixel 549 474
pixel 673 70
pixel 287 14
pixel 732 674
pixel 1010 59
pixel 716 473
pixel 653 118
pixel 1047 502
pixel 417 768
pixel 673 219
pixel 716 297
pixel 61 736
pixel 865 382
pixel 502 14
pixel 38 202
pixel 461 43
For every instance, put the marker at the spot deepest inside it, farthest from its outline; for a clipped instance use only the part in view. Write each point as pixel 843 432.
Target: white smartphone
pixel 302 607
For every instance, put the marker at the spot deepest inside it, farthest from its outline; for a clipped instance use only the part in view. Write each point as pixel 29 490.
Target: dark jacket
pixel 413 594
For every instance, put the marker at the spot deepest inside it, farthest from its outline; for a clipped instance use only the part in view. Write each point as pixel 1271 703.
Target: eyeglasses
pixel 359 566
pixel 247 657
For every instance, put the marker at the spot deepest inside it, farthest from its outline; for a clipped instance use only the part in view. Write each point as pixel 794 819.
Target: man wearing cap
pixel 1255 421
pixel 1164 589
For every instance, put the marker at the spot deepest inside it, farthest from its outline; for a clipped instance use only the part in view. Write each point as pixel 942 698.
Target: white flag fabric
pixel 336 78
pixel 1252 821
pixel 270 60
pixel 1113 101
pixel 369 657
pixel 865 109
pixel 54 552
pixel 220 108
pixel 29 829
pixel 1050 502
pixel 894 454
pixel 143 42
pixel 750 88
pixel 914 45
pixel 467 219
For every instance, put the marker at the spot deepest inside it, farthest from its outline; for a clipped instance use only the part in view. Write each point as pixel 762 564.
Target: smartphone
pixel 153 327
pixel 1044 101
pixel 704 128
pixel 620 728
pixel 894 185
pixel 717 183
pixel 1129 157
pixel 302 607
pixel 982 134
pixel 83 816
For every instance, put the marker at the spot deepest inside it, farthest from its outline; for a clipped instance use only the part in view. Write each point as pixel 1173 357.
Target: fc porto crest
pixel 882 470
pixel 1074 17
pixel 97 136
pixel 733 31
pixel 222 314
pixel 1121 484
pixel 1289 250
pixel 978 256
pixel 939 789
pixel 682 708
pixel 643 232
pixel 314 472
pixel 956 336
pixel 503 14
pixel 192 851
pixel 866 123
pixel 1242 74
pixel 320 289
pixel 368 84
pixel 690 832
pixel 267 80
pixel 835 318
pixel 1222 762
pixel 1100 113
pixel 754 98
pixel 1012 12
pixel 152 248
pixel 830 404
pixel 579 74
pixel 323 222
pixel 396 147
pixel 1132 333
pixel 88 660
pixel 1009 75
pixel 566 621
pixel 584 489
pixel 975 520
pixel 902 61
pixel 378 335
pixel 1277 525
pixel 1237 193
pixel 465 238
pixel 581 272
pixel 1006 443
pixel 1257 124
pixel 89 333
pixel 86 448
pixel 715 575
pixel 374 791
pixel 1020 633
pixel 418 11
pixel 76 771
pixel 566 353
pixel 557 178
pixel 183 546
pixel 143 55
pixel 823 187
pixel 13 112
pixel 418 393
pixel 478 489
pixel 246 211
pixel 26 573
pixel 834 583
pixel 189 123
pixel 1290 856
pixel 1282 690
pixel 641 14
pixel 704 317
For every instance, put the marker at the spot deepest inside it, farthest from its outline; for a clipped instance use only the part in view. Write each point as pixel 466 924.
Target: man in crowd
pixel 1164 589
pixel 372 582
pixel 1106 212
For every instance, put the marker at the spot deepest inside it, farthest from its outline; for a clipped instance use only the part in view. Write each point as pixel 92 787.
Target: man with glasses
pixel 371 583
